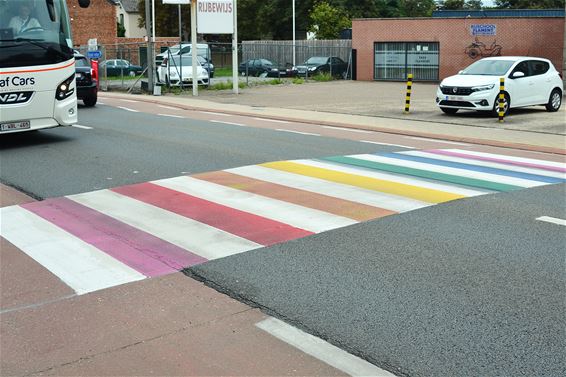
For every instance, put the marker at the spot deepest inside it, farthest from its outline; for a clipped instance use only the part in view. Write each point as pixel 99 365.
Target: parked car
pixel 287 70
pixel 528 81
pixel 323 64
pixel 206 64
pixel 118 67
pixel 185 49
pixel 87 88
pixel 255 67
pixel 176 69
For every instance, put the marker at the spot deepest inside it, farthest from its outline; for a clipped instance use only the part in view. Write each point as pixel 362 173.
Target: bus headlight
pixel 64 89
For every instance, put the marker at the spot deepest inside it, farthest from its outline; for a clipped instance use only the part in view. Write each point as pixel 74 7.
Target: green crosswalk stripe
pixel 464 181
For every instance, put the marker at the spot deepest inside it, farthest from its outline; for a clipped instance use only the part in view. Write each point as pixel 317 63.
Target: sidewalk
pixel 281 99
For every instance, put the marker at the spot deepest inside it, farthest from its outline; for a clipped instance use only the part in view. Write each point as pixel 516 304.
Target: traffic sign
pixel 94 54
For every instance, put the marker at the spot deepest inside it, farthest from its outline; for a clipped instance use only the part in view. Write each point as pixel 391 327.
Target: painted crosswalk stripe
pixel 485 164
pixel 243 224
pixel 365 180
pixel 198 238
pixel 510 160
pixel 81 266
pixel 334 189
pixel 321 350
pixel 300 217
pixel 340 207
pixel 429 184
pixel 141 251
pixel 438 173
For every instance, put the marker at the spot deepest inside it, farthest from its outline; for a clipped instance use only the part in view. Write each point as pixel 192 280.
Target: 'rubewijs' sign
pixel 215 16
pixel 485 29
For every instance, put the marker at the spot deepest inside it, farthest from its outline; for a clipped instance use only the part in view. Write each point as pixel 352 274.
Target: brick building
pixel 437 47
pixel 97 21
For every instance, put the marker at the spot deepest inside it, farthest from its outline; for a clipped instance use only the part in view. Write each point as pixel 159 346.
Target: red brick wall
pixel 96 21
pixel 542 37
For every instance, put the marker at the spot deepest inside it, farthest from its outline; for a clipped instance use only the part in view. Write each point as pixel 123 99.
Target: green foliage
pixel 530 4
pixel 327 21
pixel 275 82
pixel 417 8
pixel 322 77
pixel 226 85
pixel 167 19
pixel 460 4
pixel 298 81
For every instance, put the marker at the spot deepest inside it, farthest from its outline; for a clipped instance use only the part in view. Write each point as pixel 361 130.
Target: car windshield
pixel 488 67
pixel 184 59
pixel 317 60
pixel 34 32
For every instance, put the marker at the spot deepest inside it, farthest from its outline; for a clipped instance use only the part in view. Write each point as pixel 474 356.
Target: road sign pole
pixel 235 84
pixel 194 45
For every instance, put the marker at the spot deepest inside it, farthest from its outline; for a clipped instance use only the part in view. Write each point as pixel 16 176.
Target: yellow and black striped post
pixel 501 99
pixel 408 97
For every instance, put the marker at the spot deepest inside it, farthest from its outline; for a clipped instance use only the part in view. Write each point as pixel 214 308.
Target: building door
pixel 395 60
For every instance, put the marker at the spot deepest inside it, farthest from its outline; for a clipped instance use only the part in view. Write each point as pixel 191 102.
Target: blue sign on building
pixel 94 54
pixel 483 29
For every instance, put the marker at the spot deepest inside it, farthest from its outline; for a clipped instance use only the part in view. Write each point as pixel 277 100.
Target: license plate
pixel 15 126
pixel 454 98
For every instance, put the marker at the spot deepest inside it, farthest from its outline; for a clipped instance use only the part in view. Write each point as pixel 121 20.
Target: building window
pixel 395 60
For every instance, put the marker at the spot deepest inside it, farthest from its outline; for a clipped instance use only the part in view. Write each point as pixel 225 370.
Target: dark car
pixel 286 70
pixel 206 64
pixel 257 67
pixel 119 67
pixel 87 88
pixel 323 64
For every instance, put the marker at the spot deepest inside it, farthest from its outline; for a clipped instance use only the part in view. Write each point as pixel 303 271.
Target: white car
pixel 528 81
pixel 185 49
pixel 176 69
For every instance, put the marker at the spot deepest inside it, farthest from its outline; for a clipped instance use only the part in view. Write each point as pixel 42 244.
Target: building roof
pixel 130 6
pixel 490 13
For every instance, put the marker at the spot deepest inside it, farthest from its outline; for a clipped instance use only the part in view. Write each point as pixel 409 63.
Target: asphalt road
pixel 126 147
pixel 473 287
pixel 466 288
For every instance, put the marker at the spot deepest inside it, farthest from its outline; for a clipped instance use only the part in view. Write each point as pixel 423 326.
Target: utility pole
pixel 235 84
pixel 194 45
pixel 150 59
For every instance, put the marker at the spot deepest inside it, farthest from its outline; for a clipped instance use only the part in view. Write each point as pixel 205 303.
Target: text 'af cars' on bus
pixel 37 65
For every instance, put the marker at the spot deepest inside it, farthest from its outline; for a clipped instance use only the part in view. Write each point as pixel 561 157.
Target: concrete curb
pixel 493 143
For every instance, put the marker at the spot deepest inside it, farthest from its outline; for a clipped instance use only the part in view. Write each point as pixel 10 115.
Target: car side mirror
pixel 517 74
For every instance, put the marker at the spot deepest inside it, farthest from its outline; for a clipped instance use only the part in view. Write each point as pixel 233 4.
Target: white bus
pixel 37 66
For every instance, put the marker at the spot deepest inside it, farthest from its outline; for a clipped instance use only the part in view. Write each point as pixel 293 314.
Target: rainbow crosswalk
pixel 104 238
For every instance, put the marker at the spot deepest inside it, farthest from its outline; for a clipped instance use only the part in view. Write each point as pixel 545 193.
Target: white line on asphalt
pixel 128 109
pixel 271 120
pixel 167 107
pixel 297 132
pixel 320 349
pixel 435 140
pixel 100 103
pixel 388 144
pixel 552 220
pixel 347 129
pixel 229 123
pixel 129 100
pixel 81 127
pixel 170 115
pixel 212 113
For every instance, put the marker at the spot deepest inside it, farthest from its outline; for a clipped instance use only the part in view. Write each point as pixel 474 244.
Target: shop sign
pixel 483 29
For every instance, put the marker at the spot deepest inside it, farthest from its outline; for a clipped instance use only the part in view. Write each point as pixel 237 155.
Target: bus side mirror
pixel 84 3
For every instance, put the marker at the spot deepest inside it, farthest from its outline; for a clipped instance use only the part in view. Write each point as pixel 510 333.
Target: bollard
pixel 408 97
pixel 501 99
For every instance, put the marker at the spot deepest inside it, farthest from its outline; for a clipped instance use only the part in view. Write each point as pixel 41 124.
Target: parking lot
pixel 384 99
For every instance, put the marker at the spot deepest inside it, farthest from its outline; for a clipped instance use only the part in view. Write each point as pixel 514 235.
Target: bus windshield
pixel 34 32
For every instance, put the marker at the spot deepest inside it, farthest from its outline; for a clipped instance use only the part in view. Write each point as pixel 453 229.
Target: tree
pixel 452 4
pixel 328 21
pixel 167 19
pixel 530 4
pixel 473 4
pixel 417 8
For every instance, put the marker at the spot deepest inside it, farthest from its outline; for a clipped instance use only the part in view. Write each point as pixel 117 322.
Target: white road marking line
pixel 392 177
pixel 435 140
pixel 171 116
pixel 271 120
pixel 82 127
pixel 320 349
pixel 292 214
pixel 511 158
pixel 488 164
pixel 213 113
pixel 196 237
pixel 552 220
pixel 78 264
pixel 100 103
pixel 347 129
pixel 460 172
pixel 297 132
pixel 128 109
pixel 336 190
pixel 167 107
pixel 388 144
pixel 229 123
pixel 128 100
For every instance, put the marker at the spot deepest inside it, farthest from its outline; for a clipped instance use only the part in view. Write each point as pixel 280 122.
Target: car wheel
pixel 449 110
pixel 506 105
pixel 90 101
pixel 554 101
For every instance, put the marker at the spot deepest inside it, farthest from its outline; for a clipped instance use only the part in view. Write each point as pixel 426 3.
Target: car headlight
pixel 482 87
pixel 64 89
pixel 312 68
